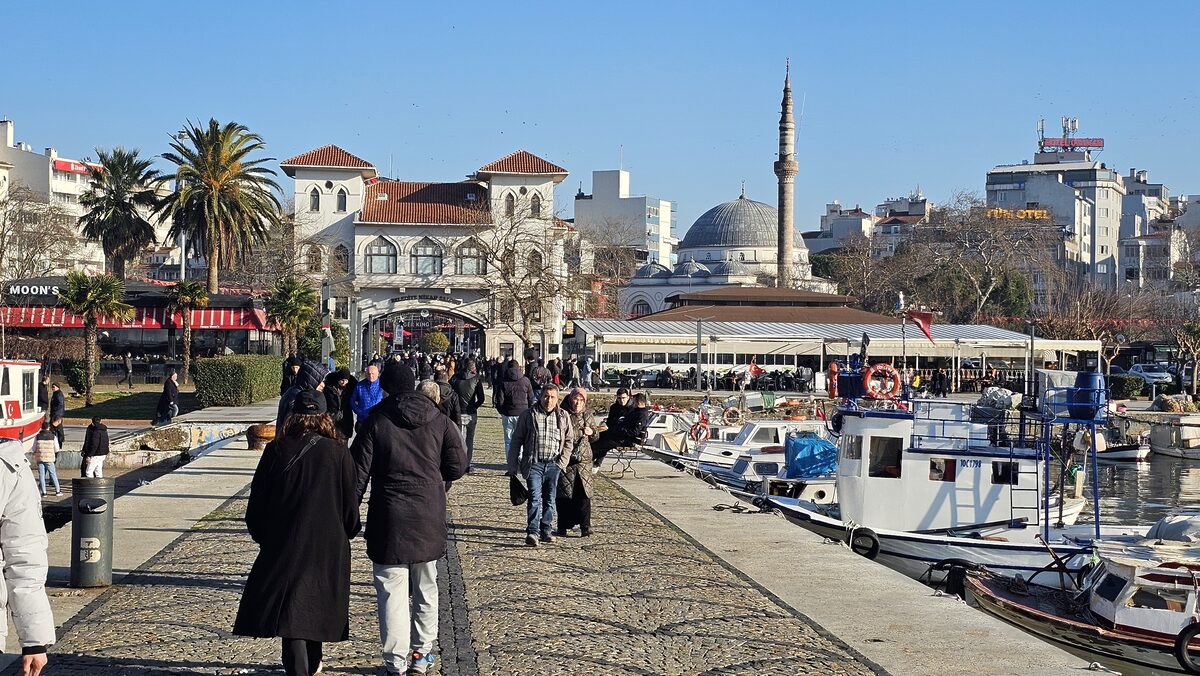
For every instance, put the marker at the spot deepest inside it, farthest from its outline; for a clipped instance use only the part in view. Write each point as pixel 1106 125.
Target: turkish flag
pixel 754 369
pixel 923 320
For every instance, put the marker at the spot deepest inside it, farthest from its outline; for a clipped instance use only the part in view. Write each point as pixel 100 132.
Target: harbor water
pixel 1139 493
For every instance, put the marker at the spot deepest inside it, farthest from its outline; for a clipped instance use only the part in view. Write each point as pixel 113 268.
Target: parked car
pixel 1153 374
pixel 1115 370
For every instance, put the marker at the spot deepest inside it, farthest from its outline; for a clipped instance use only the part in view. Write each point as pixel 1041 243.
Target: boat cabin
pixel 932 468
pixel 18 396
pixel 1148 588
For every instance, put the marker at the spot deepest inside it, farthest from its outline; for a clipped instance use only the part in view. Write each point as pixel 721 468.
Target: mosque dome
pixel 731 269
pixel 651 270
pixel 738 223
pixel 690 268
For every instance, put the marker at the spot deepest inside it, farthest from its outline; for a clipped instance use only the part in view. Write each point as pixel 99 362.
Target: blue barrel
pixel 1087 401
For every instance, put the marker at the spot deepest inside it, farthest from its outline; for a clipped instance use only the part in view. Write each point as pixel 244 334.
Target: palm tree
pixel 184 297
pixel 122 189
pixel 94 298
pixel 292 303
pixel 224 202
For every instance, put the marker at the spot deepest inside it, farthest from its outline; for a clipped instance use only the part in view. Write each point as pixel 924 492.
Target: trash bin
pixel 91 532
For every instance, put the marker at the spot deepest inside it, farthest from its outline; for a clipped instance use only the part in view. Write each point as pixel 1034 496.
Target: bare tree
pixel 1074 309
pixel 603 258
pixel 1179 321
pixel 36 237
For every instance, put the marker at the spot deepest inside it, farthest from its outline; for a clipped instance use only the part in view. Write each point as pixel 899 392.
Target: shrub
pixel 236 380
pixel 75 373
pixel 1126 387
pixel 434 342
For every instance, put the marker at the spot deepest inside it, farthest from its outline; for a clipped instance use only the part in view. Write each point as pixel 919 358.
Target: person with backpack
pixel 468 389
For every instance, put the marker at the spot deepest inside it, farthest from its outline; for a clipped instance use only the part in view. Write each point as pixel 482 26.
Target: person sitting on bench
pixel 630 430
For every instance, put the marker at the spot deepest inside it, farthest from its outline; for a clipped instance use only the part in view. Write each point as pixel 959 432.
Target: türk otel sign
pixel 1020 214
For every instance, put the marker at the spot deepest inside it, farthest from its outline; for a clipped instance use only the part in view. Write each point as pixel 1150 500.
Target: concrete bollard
pixel 92 509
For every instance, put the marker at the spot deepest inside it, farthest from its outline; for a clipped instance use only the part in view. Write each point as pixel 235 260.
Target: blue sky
pixel 896 94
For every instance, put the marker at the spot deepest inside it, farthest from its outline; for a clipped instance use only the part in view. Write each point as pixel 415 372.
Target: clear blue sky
pixel 897 94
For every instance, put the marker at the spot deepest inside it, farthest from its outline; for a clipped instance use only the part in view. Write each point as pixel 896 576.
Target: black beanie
pixel 397 378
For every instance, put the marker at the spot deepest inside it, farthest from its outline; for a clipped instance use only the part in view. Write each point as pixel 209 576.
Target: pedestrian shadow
pixel 501 529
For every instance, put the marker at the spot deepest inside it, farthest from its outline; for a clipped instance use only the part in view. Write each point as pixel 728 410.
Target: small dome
pixel 690 268
pixel 732 269
pixel 652 269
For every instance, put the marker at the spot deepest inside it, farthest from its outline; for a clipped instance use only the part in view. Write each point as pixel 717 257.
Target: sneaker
pixel 531 541
pixel 547 538
pixel 420 663
pixel 58 492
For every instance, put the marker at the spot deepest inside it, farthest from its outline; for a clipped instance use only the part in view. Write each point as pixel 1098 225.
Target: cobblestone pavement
pixel 636 598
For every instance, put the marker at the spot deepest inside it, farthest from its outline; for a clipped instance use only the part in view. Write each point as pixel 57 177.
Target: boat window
pixel 27 389
pixel 942 469
pixel 740 466
pixel 885 457
pixel 851 447
pixel 766 468
pixel 1110 587
pixel 5 388
pixel 766 435
pixel 1158 599
pixel 1004 473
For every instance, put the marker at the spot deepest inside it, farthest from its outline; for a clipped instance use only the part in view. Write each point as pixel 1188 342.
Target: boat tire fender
pixel 1082 575
pixel 864 542
pixel 1189 662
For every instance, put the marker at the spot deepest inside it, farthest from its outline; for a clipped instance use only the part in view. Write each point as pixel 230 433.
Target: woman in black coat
pixel 302 512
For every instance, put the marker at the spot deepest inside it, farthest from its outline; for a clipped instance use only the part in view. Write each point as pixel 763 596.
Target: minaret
pixel 786 169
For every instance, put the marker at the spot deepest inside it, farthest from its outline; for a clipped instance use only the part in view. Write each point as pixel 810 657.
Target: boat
pixel 1177 437
pixel 753 434
pixel 808 471
pixel 1136 610
pixel 924 482
pixel 1138 452
pixel 22 418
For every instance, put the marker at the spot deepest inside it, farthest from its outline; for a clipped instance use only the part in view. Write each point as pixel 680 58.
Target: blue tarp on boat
pixel 809 456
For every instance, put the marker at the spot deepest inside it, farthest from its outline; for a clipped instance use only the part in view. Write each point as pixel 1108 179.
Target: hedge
pixel 75 372
pixel 236 380
pixel 1126 387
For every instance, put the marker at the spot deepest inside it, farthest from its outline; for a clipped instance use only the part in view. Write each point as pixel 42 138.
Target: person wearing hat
pixel 302 513
pixel 574 505
pixel 408 452
pixel 309 378
pixel 291 366
pixel 339 385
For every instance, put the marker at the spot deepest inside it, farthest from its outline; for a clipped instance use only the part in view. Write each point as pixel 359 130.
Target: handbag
pixel 517 493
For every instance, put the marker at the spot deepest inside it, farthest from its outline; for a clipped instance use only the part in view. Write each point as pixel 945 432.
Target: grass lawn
pixel 122 405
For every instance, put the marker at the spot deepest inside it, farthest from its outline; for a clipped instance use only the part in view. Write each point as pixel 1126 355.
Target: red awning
pixel 144 318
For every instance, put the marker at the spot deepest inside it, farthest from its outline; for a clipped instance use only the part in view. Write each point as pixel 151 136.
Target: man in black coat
pixel 338 386
pixel 291 366
pixel 511 397
pixel 468 389
pixel 95 449
pixel 58 402
pixel 43 401
pixel 408 451
pixel 168 401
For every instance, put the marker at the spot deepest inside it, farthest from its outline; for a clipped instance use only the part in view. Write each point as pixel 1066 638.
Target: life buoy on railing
pixel 699 432
pixel 831 380
pixel 731 415
pixel 890 377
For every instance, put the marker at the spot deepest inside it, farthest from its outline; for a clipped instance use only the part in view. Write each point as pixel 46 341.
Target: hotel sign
pixel 1019 214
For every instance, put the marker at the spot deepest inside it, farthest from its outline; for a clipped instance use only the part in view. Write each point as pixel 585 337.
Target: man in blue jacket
pixel 367 393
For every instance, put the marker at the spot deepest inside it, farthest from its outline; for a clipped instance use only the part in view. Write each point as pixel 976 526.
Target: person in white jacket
pixel 23 559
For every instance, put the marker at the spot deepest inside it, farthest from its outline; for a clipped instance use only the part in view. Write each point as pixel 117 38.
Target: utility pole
pixel 699 348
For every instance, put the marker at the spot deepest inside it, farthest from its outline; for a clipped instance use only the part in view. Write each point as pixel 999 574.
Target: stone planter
pixel 258 436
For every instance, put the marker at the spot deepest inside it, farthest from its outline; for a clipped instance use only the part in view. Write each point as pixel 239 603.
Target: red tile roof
pixel 521 162
pixel 409 202
pixel 327 156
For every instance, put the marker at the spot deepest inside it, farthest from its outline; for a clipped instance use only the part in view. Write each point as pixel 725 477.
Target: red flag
pixel 923 320
pixel 755 369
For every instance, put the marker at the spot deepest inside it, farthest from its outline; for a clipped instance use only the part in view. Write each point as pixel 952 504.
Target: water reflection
pixel 1141 493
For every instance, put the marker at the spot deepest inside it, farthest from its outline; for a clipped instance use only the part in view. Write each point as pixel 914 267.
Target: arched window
pixel 470 259
pixel 341 259
pixel 312 260
pixel 639 308
pixel 535 206
pixel 341 200
pixel 508 264
pixel 381 257
pixel 510 205
pixel 536 262
pixel 426 258
pixel 314 200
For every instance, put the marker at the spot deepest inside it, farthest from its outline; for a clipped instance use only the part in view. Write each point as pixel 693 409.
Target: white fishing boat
pixel 753 435
pixel 927 485
pixel 1125 453
pixel 18 396
pixel 1135 612
pixel 1177 436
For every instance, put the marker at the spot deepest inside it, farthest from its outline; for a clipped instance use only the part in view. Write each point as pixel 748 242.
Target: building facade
pixel 643 222
pixel 481 259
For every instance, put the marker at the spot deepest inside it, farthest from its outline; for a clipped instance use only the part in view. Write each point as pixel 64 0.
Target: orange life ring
pixel 831 380
pixel 890 377
pixel 699 432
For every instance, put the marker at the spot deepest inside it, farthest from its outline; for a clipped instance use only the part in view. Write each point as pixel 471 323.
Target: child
pixel 95 449
pixel 45 451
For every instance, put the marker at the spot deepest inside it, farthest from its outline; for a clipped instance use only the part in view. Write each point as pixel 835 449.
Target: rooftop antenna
pixel 390 165
pixel 621 156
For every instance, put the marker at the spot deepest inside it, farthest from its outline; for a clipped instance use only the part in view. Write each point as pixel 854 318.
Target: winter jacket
pixel 523 448
pixel 169 396
pixel 288 379
pixel 407 451
pixel 309 376
pixel 514 395
pixel 23 546
pixel 302 520
pixel 578 472
pixel 95 440
pixel 366 395
pixel 337 401
pixel 58 405
pixel 448 401
pixel 46 447
pixel 468 387
pixel 43 401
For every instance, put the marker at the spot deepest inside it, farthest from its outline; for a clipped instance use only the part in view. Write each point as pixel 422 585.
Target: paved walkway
pixel 636 598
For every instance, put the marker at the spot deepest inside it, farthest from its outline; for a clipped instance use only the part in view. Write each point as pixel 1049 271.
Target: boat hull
pixel 1125 453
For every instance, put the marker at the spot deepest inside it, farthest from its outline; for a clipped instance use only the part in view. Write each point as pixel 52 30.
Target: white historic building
pixel 413 253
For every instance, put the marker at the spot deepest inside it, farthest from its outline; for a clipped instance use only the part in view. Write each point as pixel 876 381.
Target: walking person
pixel 447 401
pixel 408 452
pixel 95 449
pixel 58 402
pixel 45 453
pixel 367 393
pixel 310 377
pixel 23 545
pixel 168 401
pixel 574 503
pixel 291 366
pixel 302 513
pixel 512 397
pixel 127 367
pixel 468 388
pixel 339 386
pixel 541 448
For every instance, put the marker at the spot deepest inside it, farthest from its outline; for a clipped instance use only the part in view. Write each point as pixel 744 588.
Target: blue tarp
pixel 809 456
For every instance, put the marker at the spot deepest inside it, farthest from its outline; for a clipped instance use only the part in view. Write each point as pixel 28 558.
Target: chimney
pixel 51 153
pixel 7 132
